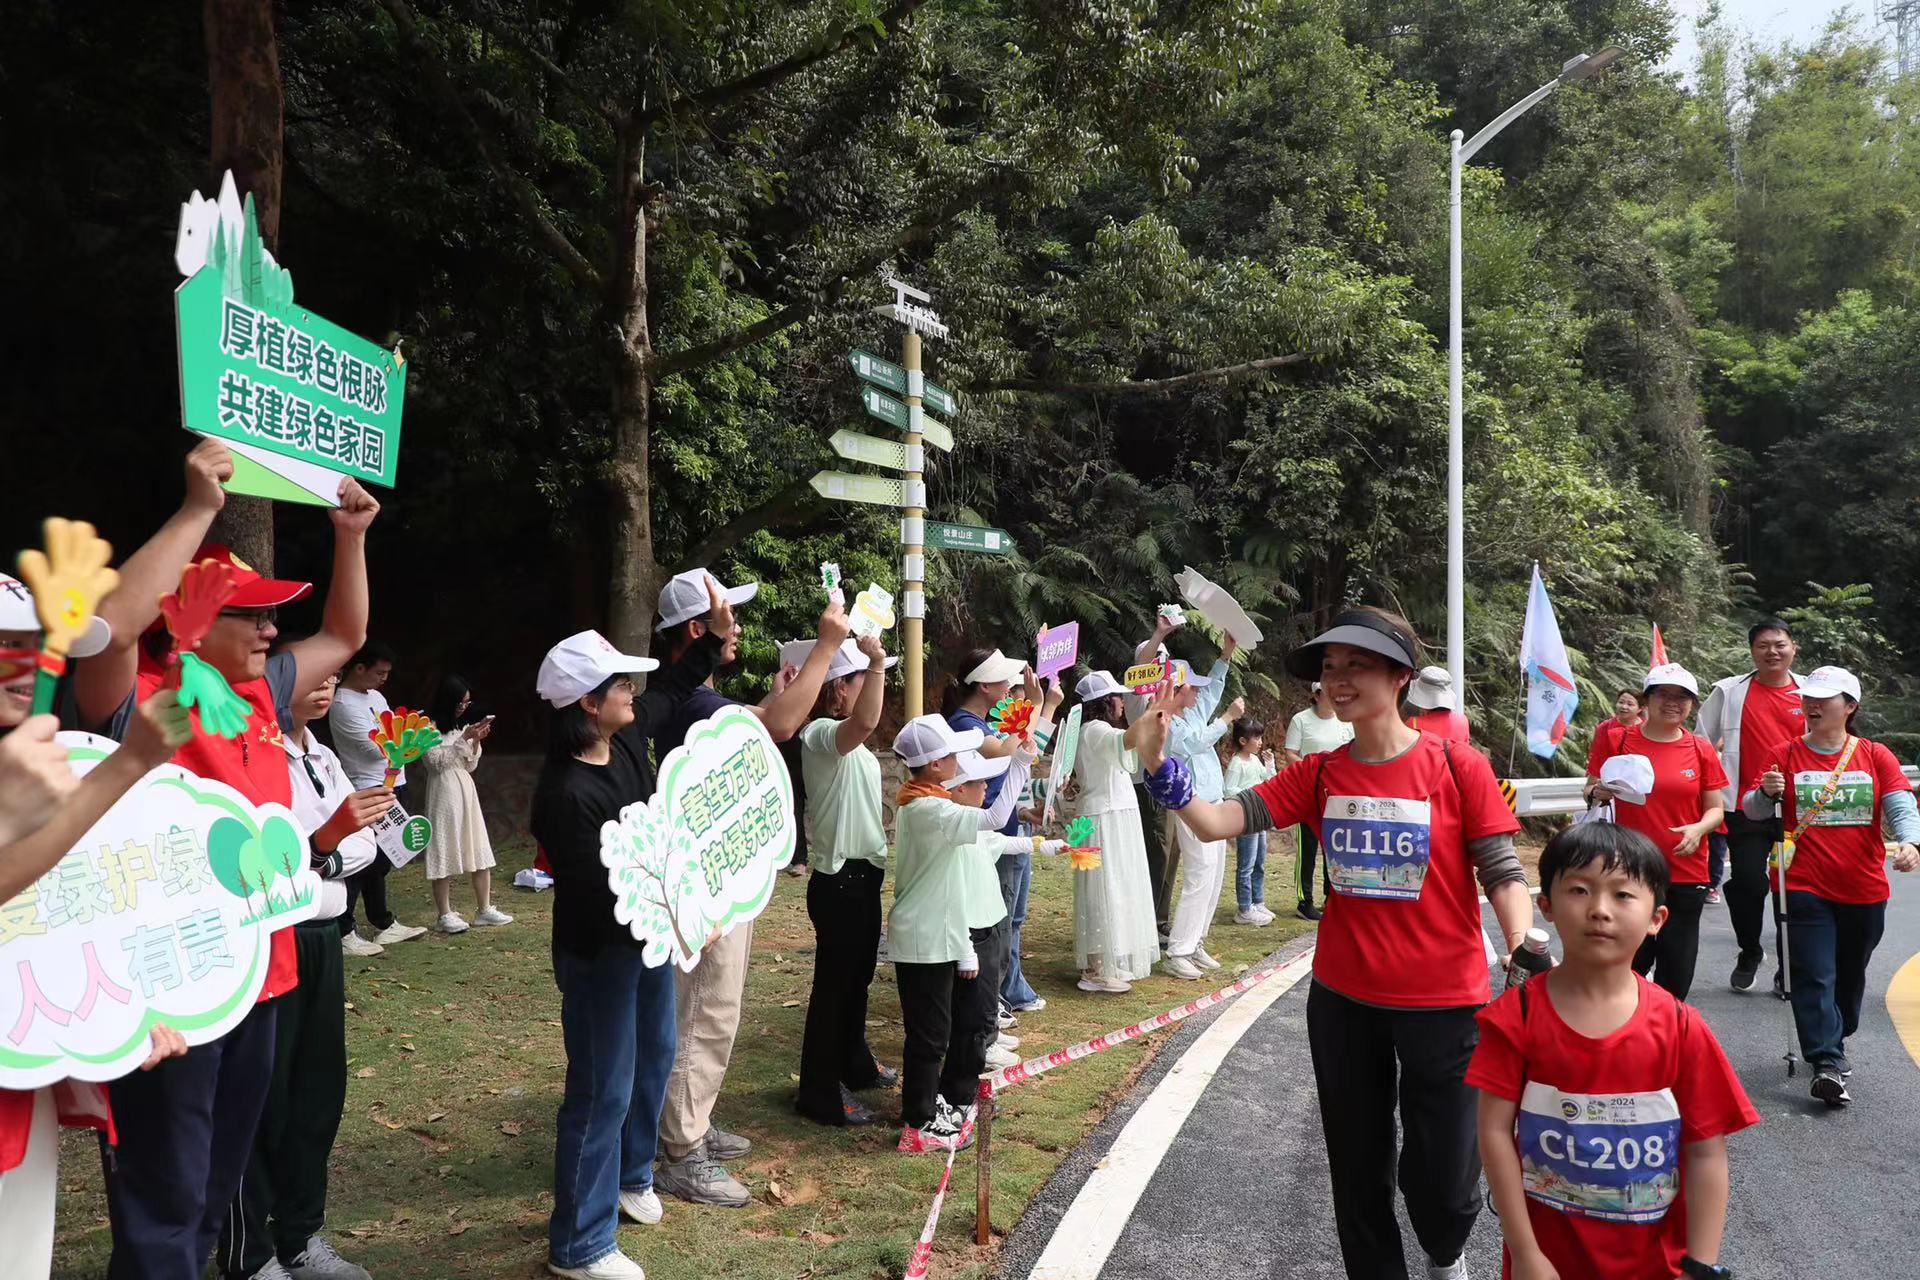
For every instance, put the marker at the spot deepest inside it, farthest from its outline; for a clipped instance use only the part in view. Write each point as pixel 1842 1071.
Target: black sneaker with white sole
pixel 1831 1088
pixel 1745 971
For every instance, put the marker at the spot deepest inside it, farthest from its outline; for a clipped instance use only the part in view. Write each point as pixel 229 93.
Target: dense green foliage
pixel 628 245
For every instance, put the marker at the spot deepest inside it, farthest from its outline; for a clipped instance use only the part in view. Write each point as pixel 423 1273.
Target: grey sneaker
pixel 699 1179
pixel 724 1146
pixel 322 1260
pixel 272 1271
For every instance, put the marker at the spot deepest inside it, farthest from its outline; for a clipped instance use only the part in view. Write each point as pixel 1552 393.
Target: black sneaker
pixel 884 1077
pixel 1779 985
pixel 1307 911
pixel 851 1112
pixel 1745 970
pixel 1831 1088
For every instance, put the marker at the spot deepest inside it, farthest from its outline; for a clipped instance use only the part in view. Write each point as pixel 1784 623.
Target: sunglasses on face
pixel 260 618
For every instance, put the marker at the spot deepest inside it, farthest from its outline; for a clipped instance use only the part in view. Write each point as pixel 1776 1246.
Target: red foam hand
pixel 204 590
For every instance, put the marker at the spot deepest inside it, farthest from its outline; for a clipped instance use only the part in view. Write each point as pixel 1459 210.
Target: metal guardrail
pixel 1545 797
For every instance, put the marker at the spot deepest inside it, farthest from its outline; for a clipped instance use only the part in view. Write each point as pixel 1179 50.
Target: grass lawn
pixel 444 1161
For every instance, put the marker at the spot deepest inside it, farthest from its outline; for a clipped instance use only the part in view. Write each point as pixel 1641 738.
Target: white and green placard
pixel 1066 750
pixel 301 401
pixel 701 857
pixel 855 447
pixel 845 486
pixel 163 912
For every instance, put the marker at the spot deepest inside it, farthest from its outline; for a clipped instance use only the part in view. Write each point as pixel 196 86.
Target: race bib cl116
pixel 1377 847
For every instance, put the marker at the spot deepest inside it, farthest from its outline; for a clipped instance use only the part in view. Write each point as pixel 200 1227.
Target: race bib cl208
pixel 1609 1156
pixel 1377 847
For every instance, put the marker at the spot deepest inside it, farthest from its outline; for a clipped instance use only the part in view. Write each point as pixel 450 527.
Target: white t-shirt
pixel 1307 733
pixel 352 717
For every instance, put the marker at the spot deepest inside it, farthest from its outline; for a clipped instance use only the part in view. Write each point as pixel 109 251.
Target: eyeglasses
pixel 261 618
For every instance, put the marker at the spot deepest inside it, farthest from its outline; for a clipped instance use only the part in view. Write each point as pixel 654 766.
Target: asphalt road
pixel 1241 1190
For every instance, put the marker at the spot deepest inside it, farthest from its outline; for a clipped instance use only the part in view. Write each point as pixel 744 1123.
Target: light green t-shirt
pixel 843 798
pixel 1307 733
pixel 985 906
pixel 934 895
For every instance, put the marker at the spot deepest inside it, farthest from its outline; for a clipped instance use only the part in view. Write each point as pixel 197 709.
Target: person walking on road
pixel 1408 821
pixel 1761 707
pixel 1682 808
pixel 1310 731
pixel 1834 791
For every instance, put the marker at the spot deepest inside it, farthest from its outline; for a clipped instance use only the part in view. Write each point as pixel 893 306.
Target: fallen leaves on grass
pixel 510 1127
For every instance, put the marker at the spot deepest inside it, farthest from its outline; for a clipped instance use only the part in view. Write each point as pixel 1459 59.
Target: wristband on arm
pixel 1171 785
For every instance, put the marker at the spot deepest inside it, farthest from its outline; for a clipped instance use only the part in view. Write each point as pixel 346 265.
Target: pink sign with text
pixel 1058 648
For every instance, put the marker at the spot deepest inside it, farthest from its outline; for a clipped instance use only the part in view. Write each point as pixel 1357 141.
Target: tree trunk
pixel 243 73
pixel 635 575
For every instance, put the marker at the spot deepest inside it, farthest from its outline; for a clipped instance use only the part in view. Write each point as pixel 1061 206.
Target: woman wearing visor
pixel 1834 792
pixel 1408 822
pixel 1683 805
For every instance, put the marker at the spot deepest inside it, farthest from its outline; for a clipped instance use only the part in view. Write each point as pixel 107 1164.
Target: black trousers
pixel 1163 855
pixel 283 1199
pixel 1308 846
pixel 949 1022
pixel 369 886
pixel 845 910
pixel 1748 843
pixel 1364 1057
pixel 1670 954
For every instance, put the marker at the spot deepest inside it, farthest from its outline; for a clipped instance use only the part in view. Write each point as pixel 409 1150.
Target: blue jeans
pixel 1828 945
pixel 616 1019
pixel 1016 879
pixel 1250 869
pixel 1716 859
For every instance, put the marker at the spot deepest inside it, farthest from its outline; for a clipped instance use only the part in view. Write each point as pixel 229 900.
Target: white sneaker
pixel 642 1206
pixel 1093 982
pixel 492 916
pixel 1205 961
pixel 450 923
pixel 355 945
pixel 998 1057
pixel 321 1261
pixel 1260 908
pixel 1181 967
pixel 1008 1042
pixel 1006 1018
pixel 611 1266
pixel 1034 1005
pixel 397 932
pixel 1455 1270
pixel 1254 917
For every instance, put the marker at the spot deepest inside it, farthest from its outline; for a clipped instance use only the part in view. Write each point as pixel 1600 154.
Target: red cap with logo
pixel 252 591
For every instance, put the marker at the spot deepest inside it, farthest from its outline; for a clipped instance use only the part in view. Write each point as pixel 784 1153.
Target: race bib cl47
pixel 1377 847
pixel 1609 1156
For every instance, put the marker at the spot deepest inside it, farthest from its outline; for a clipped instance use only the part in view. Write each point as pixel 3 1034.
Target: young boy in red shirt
pixel 1604 1102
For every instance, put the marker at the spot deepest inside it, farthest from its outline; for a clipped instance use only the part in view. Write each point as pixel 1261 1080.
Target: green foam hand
pixel 1080 832
pixel 222 711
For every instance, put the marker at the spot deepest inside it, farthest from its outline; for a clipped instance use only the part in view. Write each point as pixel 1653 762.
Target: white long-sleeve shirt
pixel 320 786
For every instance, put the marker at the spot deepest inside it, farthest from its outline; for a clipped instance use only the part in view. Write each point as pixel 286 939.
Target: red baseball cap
pixel 252 590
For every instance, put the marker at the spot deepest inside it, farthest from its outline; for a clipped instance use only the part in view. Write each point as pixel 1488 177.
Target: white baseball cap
pixel 849 659
pixel 582 663
pixel 1188 676
pixel 17 614
pixel 974 767
pixel 929 738
pixel 1098 685
pixel 1831 682
pixel 685 596
pixel 1674 674
pixel 1431 690
pixel 997 667
pixel 1630 775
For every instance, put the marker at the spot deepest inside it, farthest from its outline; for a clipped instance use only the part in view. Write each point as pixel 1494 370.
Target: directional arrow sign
pixel 885 408
pixel 843 486
pixel 968 537
pixel 883 372
pixel 938 399
pixel 881 453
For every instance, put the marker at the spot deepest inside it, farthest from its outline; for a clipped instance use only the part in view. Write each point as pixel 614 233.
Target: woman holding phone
pixel 451 802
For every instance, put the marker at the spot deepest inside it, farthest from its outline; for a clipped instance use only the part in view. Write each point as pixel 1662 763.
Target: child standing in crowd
pixel 1251 764
pixel 451 803
pixel 1604 1101
pixel 1115 943
pixel 357 706
pixel 948 934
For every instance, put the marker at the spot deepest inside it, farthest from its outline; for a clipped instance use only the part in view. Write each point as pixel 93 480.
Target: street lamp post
pixel 1579 68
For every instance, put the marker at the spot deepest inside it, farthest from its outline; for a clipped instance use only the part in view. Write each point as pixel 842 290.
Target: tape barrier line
pixel 1007 1077
pixel 923 1250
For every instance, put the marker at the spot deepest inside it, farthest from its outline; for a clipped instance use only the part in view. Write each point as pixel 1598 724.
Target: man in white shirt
pixel 357 706
pixel 1311 731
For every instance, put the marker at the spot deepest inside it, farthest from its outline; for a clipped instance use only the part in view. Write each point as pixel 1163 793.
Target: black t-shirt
pixel 702 704
pixel 574 800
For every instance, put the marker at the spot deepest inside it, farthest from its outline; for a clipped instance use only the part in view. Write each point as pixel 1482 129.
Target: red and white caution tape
pixel 923 1251
pixel 1007 1077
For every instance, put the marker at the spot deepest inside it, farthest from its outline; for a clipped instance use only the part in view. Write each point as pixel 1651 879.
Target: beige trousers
pixel 707 1011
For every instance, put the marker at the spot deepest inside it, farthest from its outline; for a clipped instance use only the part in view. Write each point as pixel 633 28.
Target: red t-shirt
pixel 1444 723
pixel 1684 771
pixel 255 765
pixel 1767 716
pixel 1402 925
pixel 1841 856
pixel 1602 1124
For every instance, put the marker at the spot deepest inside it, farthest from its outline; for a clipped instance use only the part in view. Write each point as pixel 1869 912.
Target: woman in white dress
pixel 1114 938
pixel 444 779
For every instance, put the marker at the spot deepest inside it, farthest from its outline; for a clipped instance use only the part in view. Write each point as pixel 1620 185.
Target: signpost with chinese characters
pixel 701 856
pixel 300 401
pixel 968 537
pixel 163 912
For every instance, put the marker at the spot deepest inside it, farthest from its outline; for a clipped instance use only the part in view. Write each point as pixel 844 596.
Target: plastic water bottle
pixel 1531 958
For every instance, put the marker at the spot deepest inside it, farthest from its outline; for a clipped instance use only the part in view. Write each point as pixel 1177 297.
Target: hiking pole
pixel 1778 895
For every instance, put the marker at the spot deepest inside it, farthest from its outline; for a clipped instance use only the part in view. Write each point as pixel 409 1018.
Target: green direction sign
pixel 885 408
pixel 938 399
pixel 968 537
pixel 884 372
pixel 842 486
pixel 881 453
pixel 258 370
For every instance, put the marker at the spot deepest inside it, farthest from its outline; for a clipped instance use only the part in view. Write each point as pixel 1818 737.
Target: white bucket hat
pixel 1432 690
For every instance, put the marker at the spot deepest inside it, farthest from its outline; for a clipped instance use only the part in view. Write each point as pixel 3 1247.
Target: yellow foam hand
pixel 68 580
